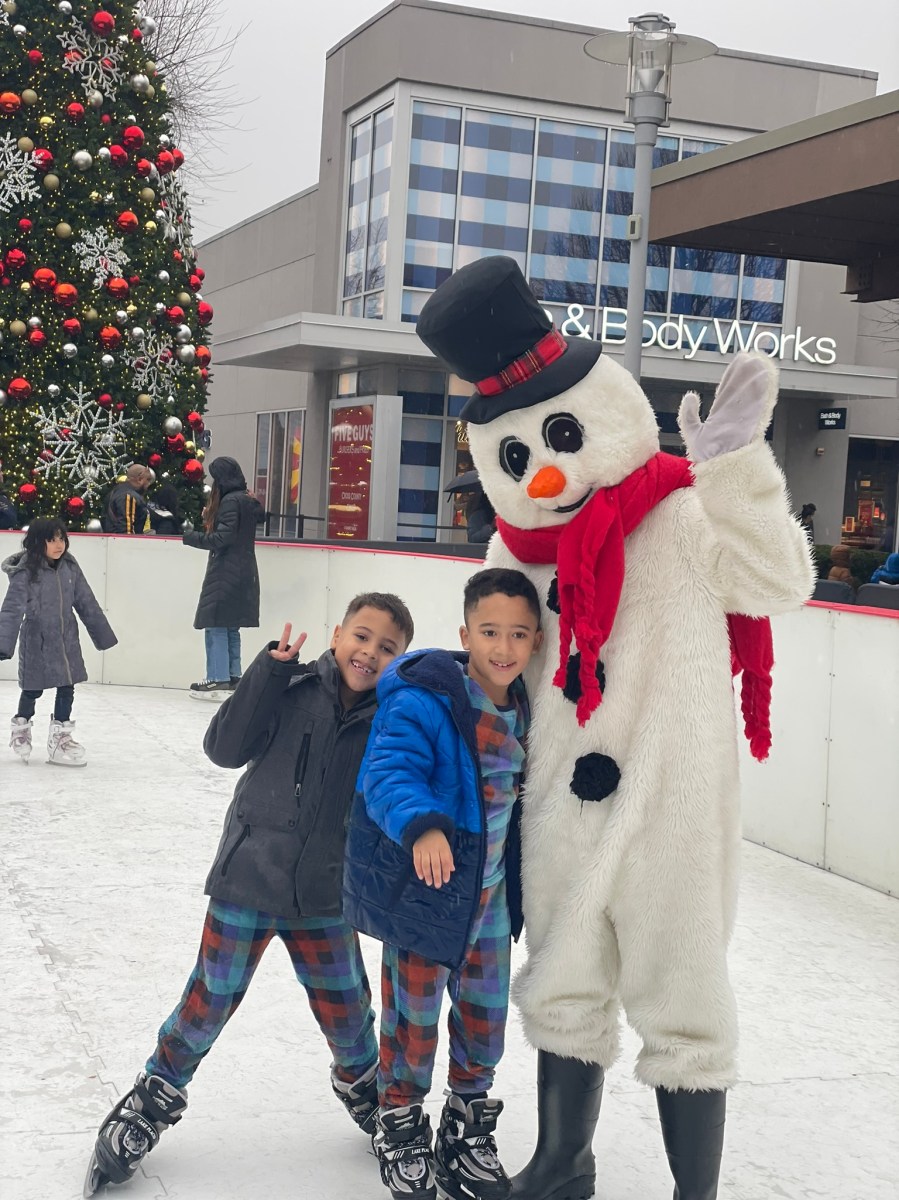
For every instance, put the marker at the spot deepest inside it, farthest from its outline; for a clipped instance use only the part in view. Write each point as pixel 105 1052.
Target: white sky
pixel 279 66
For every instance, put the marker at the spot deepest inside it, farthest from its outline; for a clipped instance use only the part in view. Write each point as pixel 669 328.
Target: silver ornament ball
pixel 82 160
pixel 95 98
pixel 3 397
pixel 165 141
pixel 183 334
pixel 163 277
pixel 207 488
pixel 172 426
pixel 108 198
pixel 69 350
pixel 121 316
pixel 123 39
pixel 159 307
pixel 94 526
pixel 159 214
pixel 137 334
pixel 187 355
pixel 19 30
pixel 54 391
pixel 187 526
pixel 147 25
pixel 64 7
pixel 140 83
pixel 103 154
pixel 34 322
pixel 107 361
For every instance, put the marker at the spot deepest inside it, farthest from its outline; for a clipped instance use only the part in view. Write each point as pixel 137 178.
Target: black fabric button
pixel 572 689
pixel 552 596
pixel 595 777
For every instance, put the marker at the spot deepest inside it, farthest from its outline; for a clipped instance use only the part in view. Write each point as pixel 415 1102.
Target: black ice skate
pixel 402 1142
pixel 211 689
pixel 132 1129
pixel 468 1167
pixel 360 1099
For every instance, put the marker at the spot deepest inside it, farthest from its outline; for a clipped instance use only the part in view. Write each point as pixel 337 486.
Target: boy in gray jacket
pixel 301 732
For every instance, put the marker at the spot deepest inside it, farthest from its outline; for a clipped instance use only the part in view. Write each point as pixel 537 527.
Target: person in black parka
pixel 229 598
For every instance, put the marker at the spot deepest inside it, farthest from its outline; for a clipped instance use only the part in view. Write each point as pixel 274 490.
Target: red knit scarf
pixel 589 556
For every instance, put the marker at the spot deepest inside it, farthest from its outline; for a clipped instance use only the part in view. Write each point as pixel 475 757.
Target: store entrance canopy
pixel 822 190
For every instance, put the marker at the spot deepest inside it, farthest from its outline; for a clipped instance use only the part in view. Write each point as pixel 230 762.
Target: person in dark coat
pixel 229 598
pixel 126 509
pixel 9 518
pixel 165 517
pixel 46 589
pixel 480 518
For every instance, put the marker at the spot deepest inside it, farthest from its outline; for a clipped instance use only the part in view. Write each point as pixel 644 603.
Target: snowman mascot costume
pixel 657 575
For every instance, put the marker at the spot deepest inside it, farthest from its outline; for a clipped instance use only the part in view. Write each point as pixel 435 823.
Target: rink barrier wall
pixel 828 794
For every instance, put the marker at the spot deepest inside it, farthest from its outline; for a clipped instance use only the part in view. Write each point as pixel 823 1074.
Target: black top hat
pixel 487 326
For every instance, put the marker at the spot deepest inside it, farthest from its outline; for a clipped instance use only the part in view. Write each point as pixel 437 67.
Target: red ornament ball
pixel 192 470
pixel 110 337
pixel 204 356
pixel 178 156
pixel 201 273
pixel 25 226
pixel 196 282
pixel 176 254
pixel 165 162
pixel 175 314
pixel 143 166
pixel 204 312
pixel 117 287
pixel 65 295
pixel 35 57
pixel 120 406
pixel 38 339
pixel 10 103
pixel 102 23
pixel 118 155
pixel 175 445
pixel 137 35
pixel 127 221
pixel 134 280
pixel 104 400
pixel 16 259
pixel 106 119
pixel 75 506
pixel 43 159
pixel 28 493
pixel 44 279
pixel 19 389
pixel 75 112
pixel 204 374
pixel 71 327
pixel 133 137
pixel 155 460
pixel 194 420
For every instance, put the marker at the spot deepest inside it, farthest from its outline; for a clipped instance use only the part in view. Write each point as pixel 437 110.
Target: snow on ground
pixel 102 874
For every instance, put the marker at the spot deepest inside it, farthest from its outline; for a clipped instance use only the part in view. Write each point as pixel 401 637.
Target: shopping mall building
pixel 452 133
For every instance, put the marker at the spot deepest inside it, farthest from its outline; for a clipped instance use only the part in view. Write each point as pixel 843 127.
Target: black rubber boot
pixel 569 1094
pixel 693 1131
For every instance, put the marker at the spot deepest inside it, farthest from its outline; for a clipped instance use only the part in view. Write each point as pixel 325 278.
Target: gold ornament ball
pixel 91 314
pixel 184 297
pixel 121 478
pixel 151 226
pixel 29 96
pixel 150 67
pixel 51 182
pixel 163 88
pixel 147 195
pixel 18 328
pixel 131 309
pixel 63 230
pixel 45 122
pixel 150 92
pixel 144 401
pixel 190 447
pixel 9 7
pixel 201 454
pixel 25 144
pixel 95 196
pixel 25 286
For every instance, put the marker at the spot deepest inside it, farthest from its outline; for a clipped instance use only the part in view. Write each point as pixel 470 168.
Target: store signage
pixel 682 335
pixel 832 418
pixel 349 479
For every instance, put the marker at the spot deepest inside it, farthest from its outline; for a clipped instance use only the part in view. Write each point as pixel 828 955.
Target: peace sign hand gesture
pixel 286 652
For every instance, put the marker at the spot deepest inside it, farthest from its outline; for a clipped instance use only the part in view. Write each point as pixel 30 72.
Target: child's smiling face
pixel 366 643
pixel 500 634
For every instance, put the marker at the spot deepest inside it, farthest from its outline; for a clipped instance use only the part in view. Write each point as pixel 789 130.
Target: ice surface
pixel 101 888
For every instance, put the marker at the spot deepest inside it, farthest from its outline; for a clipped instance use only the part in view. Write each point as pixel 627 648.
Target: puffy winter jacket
pixel 229 597
pixel 126 510
pixel 421 771
pixel 281 850
pixel 49 649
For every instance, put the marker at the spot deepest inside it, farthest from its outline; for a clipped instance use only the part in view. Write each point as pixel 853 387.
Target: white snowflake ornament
pixel 104 255
pixel 18 182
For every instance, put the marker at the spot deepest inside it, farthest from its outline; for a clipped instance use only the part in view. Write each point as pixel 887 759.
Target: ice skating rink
pixel 102 873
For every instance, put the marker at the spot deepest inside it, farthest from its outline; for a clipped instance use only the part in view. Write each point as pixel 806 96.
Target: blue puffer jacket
pixel 421 772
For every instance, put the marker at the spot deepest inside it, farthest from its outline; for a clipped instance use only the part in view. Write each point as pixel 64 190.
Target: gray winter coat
pixel 282 847
pixel 49 650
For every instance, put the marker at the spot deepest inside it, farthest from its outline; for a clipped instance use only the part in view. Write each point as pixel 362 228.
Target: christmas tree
pixel 103 327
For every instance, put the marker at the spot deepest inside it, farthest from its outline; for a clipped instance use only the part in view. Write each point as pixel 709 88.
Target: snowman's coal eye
pixel 563 433
pixel 514 457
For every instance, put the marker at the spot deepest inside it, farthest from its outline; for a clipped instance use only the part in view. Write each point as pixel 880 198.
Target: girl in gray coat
pixel 46 589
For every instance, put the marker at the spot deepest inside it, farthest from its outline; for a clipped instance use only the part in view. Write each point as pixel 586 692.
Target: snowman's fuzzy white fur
pixel 631 900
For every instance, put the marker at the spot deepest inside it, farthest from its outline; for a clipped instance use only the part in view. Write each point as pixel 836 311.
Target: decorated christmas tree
pixel 103 329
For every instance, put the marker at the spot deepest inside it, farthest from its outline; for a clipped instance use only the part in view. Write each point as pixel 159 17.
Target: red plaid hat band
pixel 547 350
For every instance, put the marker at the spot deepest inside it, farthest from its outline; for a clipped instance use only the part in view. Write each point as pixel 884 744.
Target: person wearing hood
pixel 229 598
pixel 165 517
pixel 888 574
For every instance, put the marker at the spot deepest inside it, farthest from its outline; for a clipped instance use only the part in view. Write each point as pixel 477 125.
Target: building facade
pixel 450 134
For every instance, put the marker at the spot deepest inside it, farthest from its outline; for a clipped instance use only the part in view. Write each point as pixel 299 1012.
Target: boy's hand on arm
pixel 433 858
pixel 285 651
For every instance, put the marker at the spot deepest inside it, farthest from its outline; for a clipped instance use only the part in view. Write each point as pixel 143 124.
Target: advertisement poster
pixel 349 479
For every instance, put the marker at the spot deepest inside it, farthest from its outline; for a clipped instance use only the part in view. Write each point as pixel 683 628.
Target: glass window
pixel 431 204
pixel 495 199
pixel 762 293
pixel 276 463
pixel 872 484
pixel 422 392
pixel 367 216
pixel 380 199
pixel 419 488
pixel 704 283
pixel 263 432
pixel 693 146
pixel 294 472
pixel 357 210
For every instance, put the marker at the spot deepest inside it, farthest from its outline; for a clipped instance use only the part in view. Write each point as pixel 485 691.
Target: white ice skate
pixel 20 738
pixel 62 749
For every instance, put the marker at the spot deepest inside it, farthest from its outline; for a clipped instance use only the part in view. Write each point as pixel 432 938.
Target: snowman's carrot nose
pixel 548 482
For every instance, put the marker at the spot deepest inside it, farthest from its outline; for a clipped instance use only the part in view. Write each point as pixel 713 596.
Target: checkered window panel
pixel 367 215
pixel 357 213
pixel 495 199
pixel 567 212
pixel 762 293
pixel 431 204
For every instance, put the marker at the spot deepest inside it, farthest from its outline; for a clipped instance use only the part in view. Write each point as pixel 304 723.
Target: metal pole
pixel 649 112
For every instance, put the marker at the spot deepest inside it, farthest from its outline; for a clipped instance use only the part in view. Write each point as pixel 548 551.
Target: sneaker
pixel 62 749
pixel 468 1166
pixel 211 689
pixel 360 1099
pixel 20 738
pixel 402 1142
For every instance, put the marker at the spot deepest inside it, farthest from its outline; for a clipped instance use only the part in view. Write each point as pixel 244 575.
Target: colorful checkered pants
pixel 412 990
pixel 327 961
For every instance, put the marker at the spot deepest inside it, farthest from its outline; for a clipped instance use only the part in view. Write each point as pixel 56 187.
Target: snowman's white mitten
pixel 741 411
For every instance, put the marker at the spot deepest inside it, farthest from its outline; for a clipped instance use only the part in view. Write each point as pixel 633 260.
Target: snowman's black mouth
pixel 577 504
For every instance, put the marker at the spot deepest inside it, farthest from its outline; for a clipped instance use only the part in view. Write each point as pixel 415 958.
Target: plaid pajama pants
pixel 327 961
pixel 412 990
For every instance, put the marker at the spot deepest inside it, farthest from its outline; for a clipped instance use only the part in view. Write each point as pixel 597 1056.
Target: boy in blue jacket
pixel 432 871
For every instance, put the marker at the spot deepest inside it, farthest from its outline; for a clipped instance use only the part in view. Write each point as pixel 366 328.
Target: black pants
pixel 65 697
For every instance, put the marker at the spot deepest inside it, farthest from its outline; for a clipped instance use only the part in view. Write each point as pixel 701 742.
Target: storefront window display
pixel 872 494
pixel 278 472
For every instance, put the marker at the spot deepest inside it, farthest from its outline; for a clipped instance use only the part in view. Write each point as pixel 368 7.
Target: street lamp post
pixel 648 50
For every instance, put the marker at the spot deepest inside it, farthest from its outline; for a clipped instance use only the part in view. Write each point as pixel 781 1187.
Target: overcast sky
pixel 279 65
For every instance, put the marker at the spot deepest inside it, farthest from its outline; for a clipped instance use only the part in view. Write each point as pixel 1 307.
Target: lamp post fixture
pixel 648 50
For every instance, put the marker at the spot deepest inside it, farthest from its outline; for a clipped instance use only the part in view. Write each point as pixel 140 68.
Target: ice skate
pixel 20 738
pixel 211 689
pixel 132 1129
pixel 402 1142
pixel 360 1098
pixel 468 1166
pixel 62 749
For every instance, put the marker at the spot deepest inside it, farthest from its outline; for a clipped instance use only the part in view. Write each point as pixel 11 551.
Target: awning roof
pixel 822 190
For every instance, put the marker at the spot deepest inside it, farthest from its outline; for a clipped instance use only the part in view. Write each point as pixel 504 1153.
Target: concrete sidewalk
pixel 101 889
